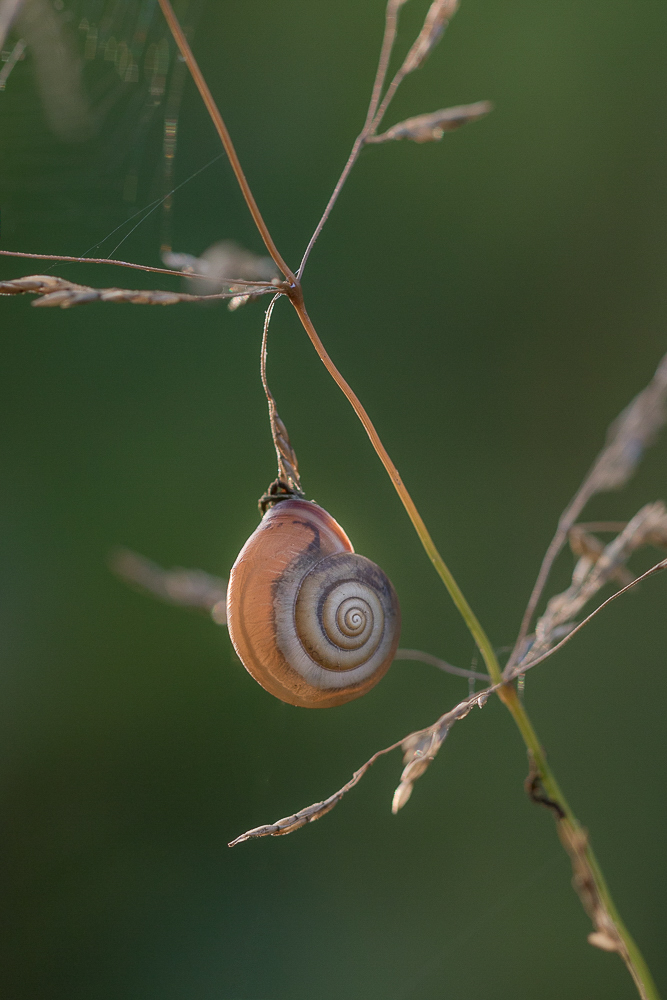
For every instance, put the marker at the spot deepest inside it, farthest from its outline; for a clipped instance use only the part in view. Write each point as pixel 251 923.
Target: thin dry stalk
pixel 390 27
pixel 609 933
pixel 435 23
pixel 583 543
pixel 288 483
pixel 186 588
pixel 221 128
pixel 54 291
pixel 308 815
pixel 435 661
pixel 438 17
pixel 422 745
pixel 627 439
pixel 432 127
pixel 194 588
pixel 91 260
pixel 597 566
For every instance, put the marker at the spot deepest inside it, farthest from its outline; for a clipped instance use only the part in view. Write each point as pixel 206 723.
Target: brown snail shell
pixel 313 622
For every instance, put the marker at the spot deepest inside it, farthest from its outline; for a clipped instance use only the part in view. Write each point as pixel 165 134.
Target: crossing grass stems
pixel 597 564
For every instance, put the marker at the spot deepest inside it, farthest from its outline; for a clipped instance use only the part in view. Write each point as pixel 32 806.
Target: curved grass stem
pixel 443 571
pixel 225 138
pixel 588 878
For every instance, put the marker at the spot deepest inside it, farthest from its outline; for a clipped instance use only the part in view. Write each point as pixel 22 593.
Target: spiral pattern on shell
pixel 312 621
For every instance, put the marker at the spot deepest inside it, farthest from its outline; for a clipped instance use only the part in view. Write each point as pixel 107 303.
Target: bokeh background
pixel 495 299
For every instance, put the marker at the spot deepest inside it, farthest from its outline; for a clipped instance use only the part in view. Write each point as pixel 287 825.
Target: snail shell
pixel 313 622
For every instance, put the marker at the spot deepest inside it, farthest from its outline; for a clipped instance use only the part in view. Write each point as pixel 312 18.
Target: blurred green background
pixel 495 299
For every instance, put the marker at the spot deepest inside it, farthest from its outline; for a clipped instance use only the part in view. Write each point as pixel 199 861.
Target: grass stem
pixel 588 878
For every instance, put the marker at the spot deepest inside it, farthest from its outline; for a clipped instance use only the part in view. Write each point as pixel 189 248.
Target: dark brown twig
pixel 534 789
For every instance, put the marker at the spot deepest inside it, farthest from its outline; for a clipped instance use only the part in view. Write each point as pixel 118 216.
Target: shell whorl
pixel 312 621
